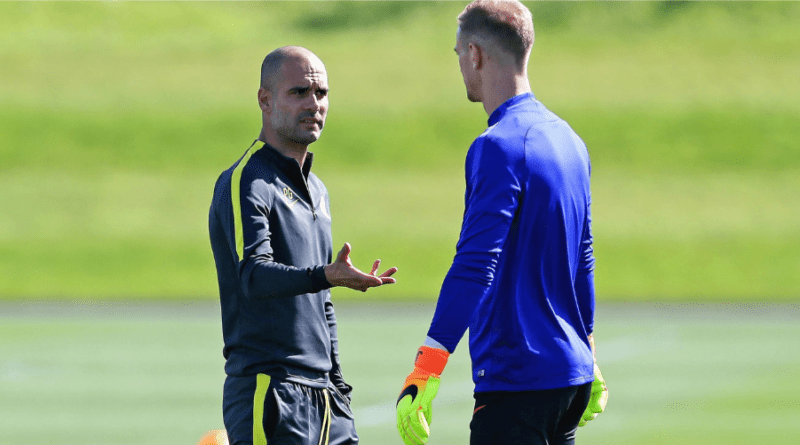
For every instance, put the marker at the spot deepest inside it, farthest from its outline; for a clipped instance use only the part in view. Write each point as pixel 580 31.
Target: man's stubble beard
pixel 294 133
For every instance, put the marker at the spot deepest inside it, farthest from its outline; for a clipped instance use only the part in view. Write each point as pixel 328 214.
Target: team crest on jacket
pixel 289 195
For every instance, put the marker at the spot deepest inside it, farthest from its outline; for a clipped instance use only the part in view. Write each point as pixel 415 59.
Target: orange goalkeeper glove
pixel 414 406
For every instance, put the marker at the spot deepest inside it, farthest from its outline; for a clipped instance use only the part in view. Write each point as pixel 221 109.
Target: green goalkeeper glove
pixel 598 399
pixel 414 406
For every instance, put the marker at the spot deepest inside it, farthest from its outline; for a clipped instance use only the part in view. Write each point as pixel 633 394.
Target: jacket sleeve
pixel 260 276
pixel 491 201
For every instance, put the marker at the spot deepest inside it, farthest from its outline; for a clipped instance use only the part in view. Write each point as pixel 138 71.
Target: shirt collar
pixel 287 162
pixel 501 110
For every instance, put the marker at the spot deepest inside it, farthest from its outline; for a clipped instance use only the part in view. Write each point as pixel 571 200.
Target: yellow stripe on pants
pixel 260 396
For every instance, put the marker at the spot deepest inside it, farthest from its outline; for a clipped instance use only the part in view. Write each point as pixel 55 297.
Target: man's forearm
pixel 274 280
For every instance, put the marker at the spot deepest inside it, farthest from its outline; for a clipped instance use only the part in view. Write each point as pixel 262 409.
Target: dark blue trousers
pixel 547 417
pixel 259 410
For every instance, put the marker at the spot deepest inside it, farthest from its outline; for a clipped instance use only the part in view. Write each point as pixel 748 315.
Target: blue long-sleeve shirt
pixel 522 278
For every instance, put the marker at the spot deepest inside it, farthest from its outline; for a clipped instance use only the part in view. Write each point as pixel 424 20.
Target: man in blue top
pixel 522 279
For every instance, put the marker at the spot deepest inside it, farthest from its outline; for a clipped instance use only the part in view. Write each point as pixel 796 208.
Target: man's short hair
pixel 274 60
pixel 508 23
pixel 270 66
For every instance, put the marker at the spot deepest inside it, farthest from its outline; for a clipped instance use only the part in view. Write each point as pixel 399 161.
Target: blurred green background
pixel 117 118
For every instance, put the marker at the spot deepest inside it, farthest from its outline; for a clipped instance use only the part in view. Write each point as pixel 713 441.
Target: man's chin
pixel 307 138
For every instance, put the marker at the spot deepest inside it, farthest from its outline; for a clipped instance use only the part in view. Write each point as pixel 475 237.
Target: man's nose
pixel 313 103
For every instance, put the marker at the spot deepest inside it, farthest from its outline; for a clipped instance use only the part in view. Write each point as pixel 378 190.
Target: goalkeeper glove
pixel 598 399
pixel 414 410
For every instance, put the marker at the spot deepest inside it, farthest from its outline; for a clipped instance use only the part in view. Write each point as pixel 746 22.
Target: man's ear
pixel 264 99
pixel 476 56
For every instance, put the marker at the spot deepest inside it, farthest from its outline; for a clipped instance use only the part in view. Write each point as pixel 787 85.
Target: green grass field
pixel 122 373
pixel 117 118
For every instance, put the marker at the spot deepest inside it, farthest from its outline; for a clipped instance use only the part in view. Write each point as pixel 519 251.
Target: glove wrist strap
pixel 432 360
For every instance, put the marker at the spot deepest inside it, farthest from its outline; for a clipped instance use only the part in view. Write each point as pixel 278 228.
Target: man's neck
pixel 296 152
pixel 502 87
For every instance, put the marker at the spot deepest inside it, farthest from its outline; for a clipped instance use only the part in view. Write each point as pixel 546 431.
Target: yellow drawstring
pixel 326 422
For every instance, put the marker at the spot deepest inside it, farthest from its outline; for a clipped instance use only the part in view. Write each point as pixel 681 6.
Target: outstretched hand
pixel 342 273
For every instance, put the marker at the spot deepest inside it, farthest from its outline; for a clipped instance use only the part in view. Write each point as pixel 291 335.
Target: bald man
pixel 270 232
pixel 522 279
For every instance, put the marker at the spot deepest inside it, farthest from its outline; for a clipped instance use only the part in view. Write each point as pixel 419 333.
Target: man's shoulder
pixel 248 168
pixel 495 146
pixel 506 134
pixel 517 128
pixel 255 168
pixel 529 114
pixel 531 121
